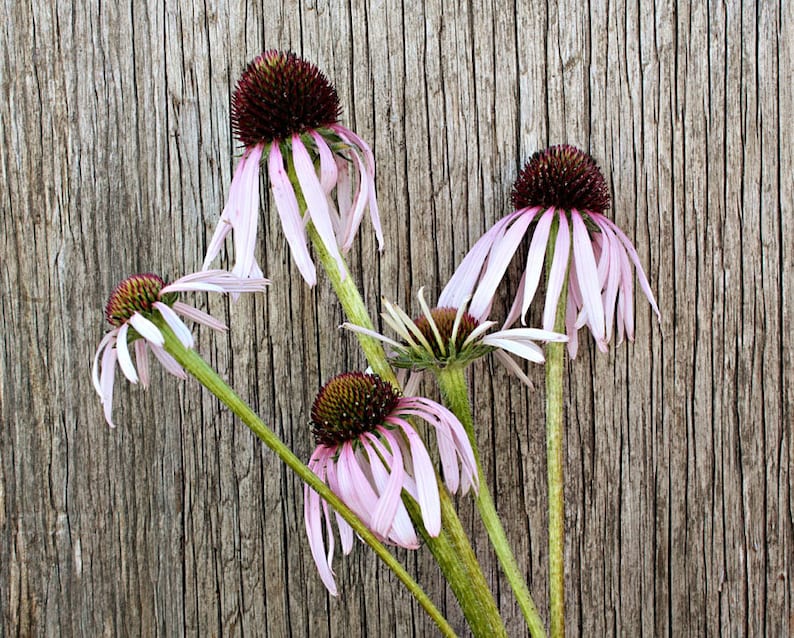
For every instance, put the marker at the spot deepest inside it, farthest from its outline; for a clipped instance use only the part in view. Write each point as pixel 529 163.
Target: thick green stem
pixel 455 392
pixel 197 367
pixel 451 549
pixel 555 458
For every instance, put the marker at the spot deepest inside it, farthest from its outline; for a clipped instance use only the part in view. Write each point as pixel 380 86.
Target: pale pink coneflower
pixel 368 453
pixel 445 336
pixel 284 108
pixel 132 306
pixel 560 188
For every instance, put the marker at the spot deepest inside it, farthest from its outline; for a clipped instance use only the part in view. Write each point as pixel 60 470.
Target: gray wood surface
pixel 116 158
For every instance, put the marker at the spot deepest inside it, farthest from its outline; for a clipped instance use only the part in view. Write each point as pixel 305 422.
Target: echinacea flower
pixel 285 108
pixel 447 336
pixel 560 189
pixel 368 453
pixel 134 307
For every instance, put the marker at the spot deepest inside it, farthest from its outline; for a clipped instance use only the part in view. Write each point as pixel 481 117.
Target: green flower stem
pixel 455 392
pixel 353 305
pixel 453 552
pixel 451 549
pixel 555 457
pixel 197 367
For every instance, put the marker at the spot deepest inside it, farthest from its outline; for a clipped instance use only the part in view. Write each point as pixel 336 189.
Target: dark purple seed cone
pixel 445 321
pixel 134 294
pixel 563 177
pixel 349 405
pixel 280 94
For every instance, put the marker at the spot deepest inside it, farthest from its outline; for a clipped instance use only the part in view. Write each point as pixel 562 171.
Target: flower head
pixel 134 308
pixel 320 171
pixel 367 453
pixel 447 336
pixel 559 190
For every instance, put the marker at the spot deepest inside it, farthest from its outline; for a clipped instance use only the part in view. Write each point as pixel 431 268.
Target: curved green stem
pixel 455 392
pixel 555 457
pixel 197 367
pixel 451 548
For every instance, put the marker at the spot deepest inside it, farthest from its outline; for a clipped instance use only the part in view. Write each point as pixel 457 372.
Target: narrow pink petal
pixel 356 491
pixel 224 226
pixel 314 531
pixel 426 485
pixel 501 255
pixel 507 361
pixel 371 333
pixel 345 531
pixel 106 342
pixel 146 329
pixel 106 382
pixel 181 331
pixel 570 320
pixel 646 287
pixel 316 201
pixel 199 316
pixel 535 257
pixel 352 220
pixel 587 274
pixel 168 362
pixel 366 177
pixel 328 171
pixel 125 361
pixel 247 215
pixel 461 284
pixel 558 272
pixel 524 349
pixel 289 213
pixel 344 187
pixel 142 361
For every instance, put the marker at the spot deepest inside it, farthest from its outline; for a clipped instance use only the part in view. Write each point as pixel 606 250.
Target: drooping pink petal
pixel 224 226
pixel 587 275
pixel 146 329
pixel 345 531
pixel 289 213
pixel 316 201
pixel 425 476
pixel 501 255
pixel 570 319
pixel 106 379
pixel 522 348
pixel 558 272
pixel 461 284
pixel 507 361
pixel 366 177
pixel 646 287
pixel 125 361
pixel 168 362
pixel 328 170
pixel 181 331
pixel 352 220
pixel 199 316
pixel 247 215
pixel 106 342
pixel 535 258
pixel 142 361
pixel 314 531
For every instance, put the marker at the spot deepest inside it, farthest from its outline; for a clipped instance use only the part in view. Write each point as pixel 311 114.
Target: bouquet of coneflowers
pixel 371 474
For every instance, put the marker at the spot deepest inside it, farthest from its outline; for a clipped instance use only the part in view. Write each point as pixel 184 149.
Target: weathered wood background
pixel 116 158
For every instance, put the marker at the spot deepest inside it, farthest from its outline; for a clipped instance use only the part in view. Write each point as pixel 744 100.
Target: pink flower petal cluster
pixel 131 308
pixel 590 250
pixel 369 471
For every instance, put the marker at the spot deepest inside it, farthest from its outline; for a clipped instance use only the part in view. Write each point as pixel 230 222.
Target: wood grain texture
pixel 117 156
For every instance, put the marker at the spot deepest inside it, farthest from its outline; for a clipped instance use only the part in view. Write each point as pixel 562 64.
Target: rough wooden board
pixel 117 156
